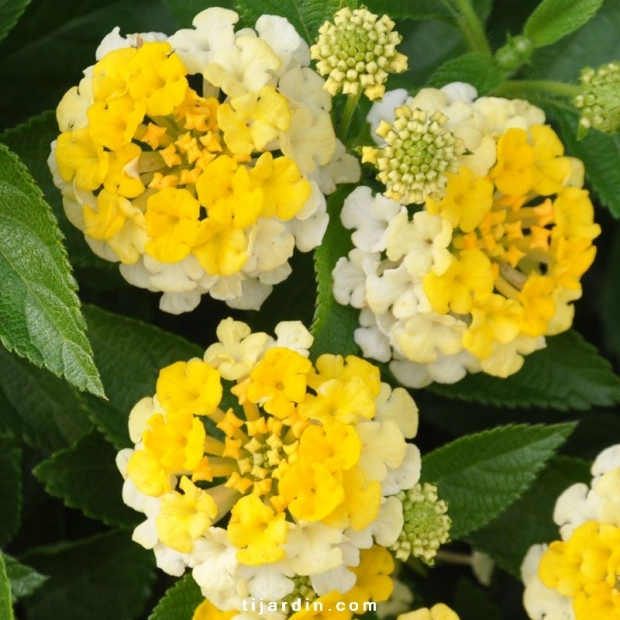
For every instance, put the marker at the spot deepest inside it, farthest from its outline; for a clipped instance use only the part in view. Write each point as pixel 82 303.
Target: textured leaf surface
pixel 31 141
pixel 85 477
pixel 475 68
pixel 333 324
pixel 10 12
pixel 554 19
pixel 10 490
pixel 100 578
pixel 179 602
pixel 592 45
pixel 40 316
pixel 130 355
pixel 23 579
pixel 529 520
pixel 306 15
pixel 600 153
pixel 482 474
pixel 6 605
pixel 567 374
pixel 44 410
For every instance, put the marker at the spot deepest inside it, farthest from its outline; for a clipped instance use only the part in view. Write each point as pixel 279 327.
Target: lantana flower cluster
pixel 475 250
pixel 207 189
pixel 273 477
pixel 576 577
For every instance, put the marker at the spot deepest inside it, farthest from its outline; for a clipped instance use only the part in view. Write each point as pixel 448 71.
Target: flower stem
pixel 347 115
pixel 545 87
pixel 469 24
pixel 451 557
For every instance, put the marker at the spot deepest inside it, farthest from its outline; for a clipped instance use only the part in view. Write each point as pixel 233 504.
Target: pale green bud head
pixel 599 100
pixel 426 524
pixel 358 50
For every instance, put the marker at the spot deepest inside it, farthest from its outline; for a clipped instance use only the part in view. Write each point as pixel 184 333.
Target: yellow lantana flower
pixel 257 530
pixel 172 223
pixel 183 518
pixel 189 387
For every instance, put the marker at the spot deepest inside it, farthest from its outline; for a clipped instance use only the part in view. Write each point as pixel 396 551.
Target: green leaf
pixel 600 154
pixel 130 355
pixel 179 602
pixel 100 578
pixel 184 11
pixel 529 520
pixel 45 411
pixel 592 45
pixel 307 16
pixel 333 324
pixel 426 9
pixel 10 490
pixel 40 315
pixel 10 12
pixel 23 579
pixel 32 141
pixel 479 70
pixel 6 604
pixel 413 9
pixel 482 474
pixel 85 477
pixel 567 374
pixel 554 19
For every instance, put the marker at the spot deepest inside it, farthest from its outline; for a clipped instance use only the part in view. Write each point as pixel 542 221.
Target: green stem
pixel 347 115
pixel 546 87
pixel 469 24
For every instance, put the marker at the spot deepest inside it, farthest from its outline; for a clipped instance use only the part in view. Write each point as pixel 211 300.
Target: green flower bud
pixel 599 100
pixel 418 153
pixel 358 50
pixel 426 524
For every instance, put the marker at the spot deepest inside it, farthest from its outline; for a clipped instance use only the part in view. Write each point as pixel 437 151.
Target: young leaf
pixel 23 579
pixel 130 355
pixel 40 315
pixel 10 490
pixel 85 477
pixel 554 19
pixel 333 324
pixel 307 16
pixel 6 604
pixel 10 12
pixel 567 374
pixel 179 602
pixel 475 68
pixel 482 474
pixel 100 578
pixel 45 411
pixel 592 45
pixel 600 153
pixel 530 519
